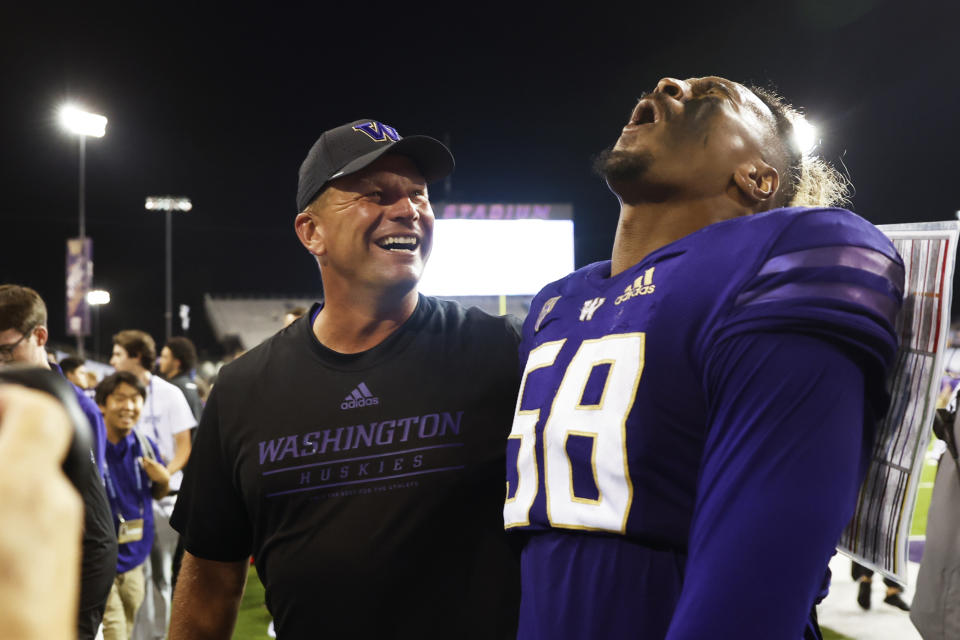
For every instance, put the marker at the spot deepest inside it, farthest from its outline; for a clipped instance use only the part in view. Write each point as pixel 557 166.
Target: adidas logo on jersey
pixel 359 397
pixel 642 286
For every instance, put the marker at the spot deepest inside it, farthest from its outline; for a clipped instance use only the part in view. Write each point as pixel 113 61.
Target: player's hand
pixel 42 515
pixel 156 471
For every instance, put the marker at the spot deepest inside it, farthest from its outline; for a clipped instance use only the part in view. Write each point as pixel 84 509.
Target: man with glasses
pixel 23 334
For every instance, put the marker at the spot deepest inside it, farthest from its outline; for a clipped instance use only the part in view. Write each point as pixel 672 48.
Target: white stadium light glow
pixel 805 135
pixel 97 297
pixel 82 123
pixel 168 203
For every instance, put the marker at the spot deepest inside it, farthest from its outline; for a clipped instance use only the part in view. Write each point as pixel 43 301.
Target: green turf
pixel 253 618
pixel 919 525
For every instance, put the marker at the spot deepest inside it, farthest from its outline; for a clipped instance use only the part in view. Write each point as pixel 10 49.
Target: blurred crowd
pixel 142 417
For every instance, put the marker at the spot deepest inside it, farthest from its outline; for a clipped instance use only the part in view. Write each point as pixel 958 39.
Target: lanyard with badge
pixel 154 418
pixel 129 530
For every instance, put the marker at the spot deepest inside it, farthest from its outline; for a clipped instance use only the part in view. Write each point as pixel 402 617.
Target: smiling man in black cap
pixel 359 453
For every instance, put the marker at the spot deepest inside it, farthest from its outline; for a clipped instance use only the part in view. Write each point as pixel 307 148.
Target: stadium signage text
pixel 497 211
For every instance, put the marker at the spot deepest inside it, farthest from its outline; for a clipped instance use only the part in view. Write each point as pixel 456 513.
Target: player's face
pixel 121 409
pixel 168 364
pixel 376 227
pixel 121 360
pixel 688 136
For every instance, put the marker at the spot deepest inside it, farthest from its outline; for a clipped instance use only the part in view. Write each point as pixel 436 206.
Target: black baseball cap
pixel 351 147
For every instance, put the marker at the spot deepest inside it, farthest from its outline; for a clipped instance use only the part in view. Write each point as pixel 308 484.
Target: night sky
pixel 221 105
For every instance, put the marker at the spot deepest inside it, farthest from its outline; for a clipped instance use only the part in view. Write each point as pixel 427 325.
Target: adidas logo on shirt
pixel 359 397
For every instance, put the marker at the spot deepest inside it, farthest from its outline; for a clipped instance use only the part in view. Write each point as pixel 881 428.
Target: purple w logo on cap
pixel 377 131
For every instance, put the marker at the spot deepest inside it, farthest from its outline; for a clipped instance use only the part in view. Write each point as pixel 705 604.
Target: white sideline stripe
pixel 926 485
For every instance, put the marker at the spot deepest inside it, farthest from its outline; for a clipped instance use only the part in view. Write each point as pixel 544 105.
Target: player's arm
pixel 182 446
pixel 207 598
pixel 779 478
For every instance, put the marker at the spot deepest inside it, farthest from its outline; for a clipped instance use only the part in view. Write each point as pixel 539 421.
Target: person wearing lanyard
pixel 166 418
pixel 134 475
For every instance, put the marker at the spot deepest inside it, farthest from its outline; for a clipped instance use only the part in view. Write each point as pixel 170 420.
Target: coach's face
pixel 692 136
pixel 372 229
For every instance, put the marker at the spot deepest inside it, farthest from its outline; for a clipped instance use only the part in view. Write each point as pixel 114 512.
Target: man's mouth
pixel 646 112
pixel 406 244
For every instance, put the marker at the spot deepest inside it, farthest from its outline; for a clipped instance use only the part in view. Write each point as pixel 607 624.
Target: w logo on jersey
pixel 642 286
pixel 377 131
pixel 590 307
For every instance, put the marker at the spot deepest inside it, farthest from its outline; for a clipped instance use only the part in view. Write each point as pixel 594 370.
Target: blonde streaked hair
pixel 806 180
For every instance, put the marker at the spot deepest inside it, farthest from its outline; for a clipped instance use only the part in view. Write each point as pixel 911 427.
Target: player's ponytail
pixel 806 180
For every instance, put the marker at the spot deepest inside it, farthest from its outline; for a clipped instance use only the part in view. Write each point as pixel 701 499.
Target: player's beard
pixel 622 166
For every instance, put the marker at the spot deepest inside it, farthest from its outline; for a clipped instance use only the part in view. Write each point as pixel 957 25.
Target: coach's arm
pixel 207 598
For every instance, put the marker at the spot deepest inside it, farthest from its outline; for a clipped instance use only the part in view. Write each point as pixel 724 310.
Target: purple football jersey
pixel 699 424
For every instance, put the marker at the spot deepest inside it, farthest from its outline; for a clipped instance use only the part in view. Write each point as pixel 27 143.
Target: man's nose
pixel 676 89
pixel 403 209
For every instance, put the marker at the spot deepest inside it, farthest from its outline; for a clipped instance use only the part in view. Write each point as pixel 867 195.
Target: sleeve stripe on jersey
pixel 875 301
pixel 837 256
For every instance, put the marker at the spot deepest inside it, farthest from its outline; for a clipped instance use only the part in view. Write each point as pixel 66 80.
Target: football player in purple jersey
pixel 701 407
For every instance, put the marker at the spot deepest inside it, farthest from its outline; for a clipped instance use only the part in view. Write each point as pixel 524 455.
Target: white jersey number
pixel 604 423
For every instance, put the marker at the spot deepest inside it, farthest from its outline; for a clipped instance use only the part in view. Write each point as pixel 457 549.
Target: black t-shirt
pixel 369 487
pixel 99 559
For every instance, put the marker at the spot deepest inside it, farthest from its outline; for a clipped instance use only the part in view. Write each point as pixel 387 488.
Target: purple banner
pixel 502 211
pixel 79 281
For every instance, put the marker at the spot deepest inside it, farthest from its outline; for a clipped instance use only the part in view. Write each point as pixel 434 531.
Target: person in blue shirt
pixel 135 475
pixel 703 405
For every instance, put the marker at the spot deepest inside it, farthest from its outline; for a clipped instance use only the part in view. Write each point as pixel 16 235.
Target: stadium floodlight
pixel 168 204
pixel 805 135
pixel 82 123
pixel 96 297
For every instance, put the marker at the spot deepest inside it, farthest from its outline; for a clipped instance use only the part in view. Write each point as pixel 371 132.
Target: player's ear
pixel 757 183
pixel 310 232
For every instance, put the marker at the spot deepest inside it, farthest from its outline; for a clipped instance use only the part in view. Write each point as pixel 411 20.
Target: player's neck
pixel 358 321
pixel 644 228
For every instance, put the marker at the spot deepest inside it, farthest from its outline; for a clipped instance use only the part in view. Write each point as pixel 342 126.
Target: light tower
pixel 169 204
pixel 80 251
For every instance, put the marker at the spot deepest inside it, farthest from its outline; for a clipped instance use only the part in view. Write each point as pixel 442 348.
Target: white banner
pixel 878 535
